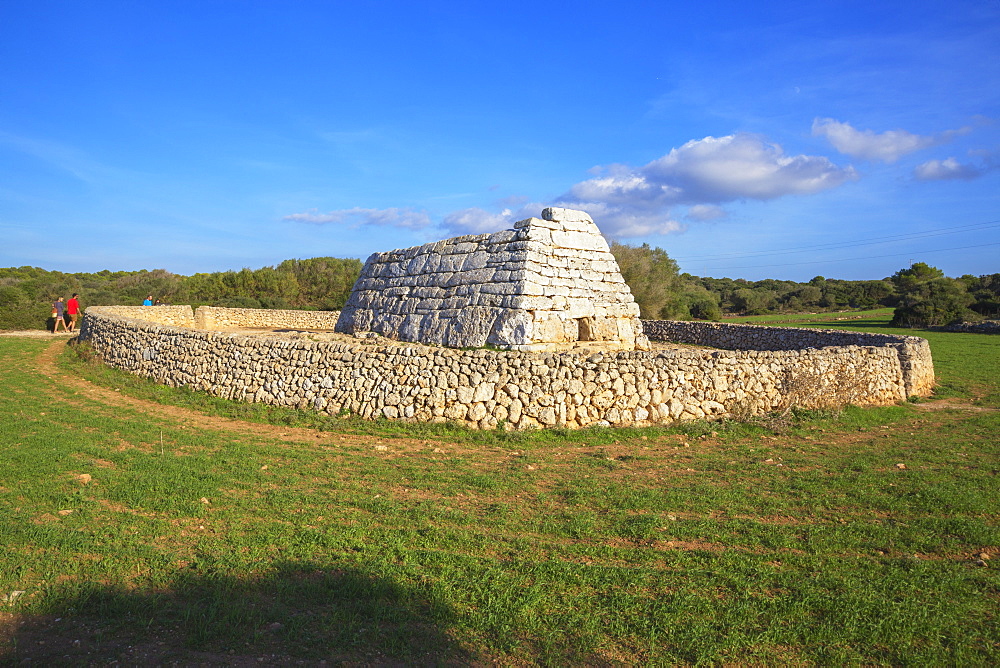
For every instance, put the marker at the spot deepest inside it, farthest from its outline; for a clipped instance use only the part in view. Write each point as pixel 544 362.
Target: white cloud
pixel 479 221
pixel 887 146
pixel 706 212
pixel 743 166
pixel 358 217
pixel 476 221
pixel 949 168
pixel 629 202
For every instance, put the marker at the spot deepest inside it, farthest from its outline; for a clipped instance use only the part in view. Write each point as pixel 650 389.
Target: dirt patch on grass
pixel 38 334
pixel 951 405
pixel 46 363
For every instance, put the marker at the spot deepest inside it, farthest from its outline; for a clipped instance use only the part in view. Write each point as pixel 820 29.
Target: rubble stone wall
pixel 914 352
pixel 485 388
pixel 981 327
pixel 216 318
pixel 177 316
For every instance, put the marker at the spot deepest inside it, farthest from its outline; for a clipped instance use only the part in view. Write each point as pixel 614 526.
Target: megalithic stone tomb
pixel 547 284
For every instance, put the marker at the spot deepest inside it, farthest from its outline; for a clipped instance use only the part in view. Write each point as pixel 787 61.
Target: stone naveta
pixel 550 283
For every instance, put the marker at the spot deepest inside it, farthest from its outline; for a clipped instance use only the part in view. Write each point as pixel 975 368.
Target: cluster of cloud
pixel 887 146
pixel 700 175
pixel 691 183
pixel 404 218
pixel 951 168
pixel 890 146
pixel 638 201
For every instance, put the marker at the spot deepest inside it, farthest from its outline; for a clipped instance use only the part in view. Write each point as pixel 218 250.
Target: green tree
pixel 906 280
pixel 653 278
pixel 927 298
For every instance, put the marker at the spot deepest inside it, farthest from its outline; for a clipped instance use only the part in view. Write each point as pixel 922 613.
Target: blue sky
pixel 797 139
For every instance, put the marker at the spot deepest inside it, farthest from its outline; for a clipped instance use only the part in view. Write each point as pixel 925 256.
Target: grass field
pixel 149 525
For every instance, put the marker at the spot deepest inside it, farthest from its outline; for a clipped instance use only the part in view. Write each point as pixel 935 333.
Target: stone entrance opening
pixel 585 330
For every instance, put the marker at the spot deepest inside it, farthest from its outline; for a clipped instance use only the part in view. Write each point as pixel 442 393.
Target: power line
pixel 972 227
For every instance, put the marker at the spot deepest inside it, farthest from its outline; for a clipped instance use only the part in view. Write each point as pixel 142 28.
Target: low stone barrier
pixel 177 316
pixel 914 352
pixel 483 388
pixel 981 327
pixel 215 318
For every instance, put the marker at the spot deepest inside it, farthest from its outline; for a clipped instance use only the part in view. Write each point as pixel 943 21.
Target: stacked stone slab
pixel 547 284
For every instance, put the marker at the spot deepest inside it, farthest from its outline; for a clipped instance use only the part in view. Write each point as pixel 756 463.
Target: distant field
pixel 150 525
pixel 882 315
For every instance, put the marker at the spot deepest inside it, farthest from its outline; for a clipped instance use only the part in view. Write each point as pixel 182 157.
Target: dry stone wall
pixel 220 318
pixel 376 378
pixel 217 318
pixel 981 327
pixel 914 353
pixel 177 316
pixel 545 285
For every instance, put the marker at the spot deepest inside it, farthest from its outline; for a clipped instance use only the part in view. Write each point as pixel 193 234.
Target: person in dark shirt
pixel 59 313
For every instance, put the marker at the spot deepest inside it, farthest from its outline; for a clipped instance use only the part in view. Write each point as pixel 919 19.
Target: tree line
pixel 315 284
pixel 922 295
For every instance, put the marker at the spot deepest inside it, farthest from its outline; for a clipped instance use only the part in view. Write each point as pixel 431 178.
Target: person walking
pixel 59 313
pixel 73 311
pixel 148 301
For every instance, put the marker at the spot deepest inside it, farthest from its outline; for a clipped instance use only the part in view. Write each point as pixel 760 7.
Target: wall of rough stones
pixel 482 388
pixel 216 318
pixel 177 316
pixel 914 352
pixel 219 318
pixel 982 327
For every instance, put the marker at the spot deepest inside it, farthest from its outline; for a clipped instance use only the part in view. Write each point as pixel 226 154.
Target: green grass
pixel 882 315
pixel 965 364
pixel 790 541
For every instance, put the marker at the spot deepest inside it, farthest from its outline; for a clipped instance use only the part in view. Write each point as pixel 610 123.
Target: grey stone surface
pixel 546 284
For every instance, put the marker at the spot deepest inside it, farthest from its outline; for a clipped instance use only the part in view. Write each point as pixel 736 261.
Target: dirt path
pixel 196 420
pixel 952 405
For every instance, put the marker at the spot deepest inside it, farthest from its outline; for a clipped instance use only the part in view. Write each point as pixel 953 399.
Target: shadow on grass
pixel 297 614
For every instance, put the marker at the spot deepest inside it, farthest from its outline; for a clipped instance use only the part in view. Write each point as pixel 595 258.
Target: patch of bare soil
pixel 196 420
pixel 951 405
pixel 370 339
pixel 37 333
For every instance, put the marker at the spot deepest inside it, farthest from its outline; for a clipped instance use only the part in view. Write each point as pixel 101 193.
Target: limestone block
pixel 553 213
pixel 502 237
pixel 579 240
pixel 530 288
pixel 580 308
pixel 526 223
pixel 539 234
pixel 474 261
pixel 512 327
pixel 527 302
pixel 470 328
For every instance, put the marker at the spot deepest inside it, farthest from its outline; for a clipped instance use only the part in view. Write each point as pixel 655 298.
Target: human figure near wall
pixel 59 313
pixel 73 311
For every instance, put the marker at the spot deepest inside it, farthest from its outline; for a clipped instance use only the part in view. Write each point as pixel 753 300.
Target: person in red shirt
pixel 73 311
